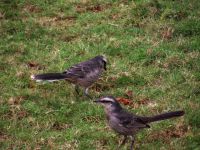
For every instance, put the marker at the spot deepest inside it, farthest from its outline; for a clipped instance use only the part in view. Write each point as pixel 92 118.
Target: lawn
pixel 153 48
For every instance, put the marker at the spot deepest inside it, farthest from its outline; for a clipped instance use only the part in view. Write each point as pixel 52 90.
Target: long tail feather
pixel 49 77
pixel 163 116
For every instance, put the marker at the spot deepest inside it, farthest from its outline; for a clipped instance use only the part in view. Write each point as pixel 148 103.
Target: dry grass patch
pixel 29 8
pixel 166 135
pixel 59 21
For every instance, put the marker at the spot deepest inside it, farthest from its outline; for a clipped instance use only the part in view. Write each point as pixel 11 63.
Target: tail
pixel 163 116
pixel 49 77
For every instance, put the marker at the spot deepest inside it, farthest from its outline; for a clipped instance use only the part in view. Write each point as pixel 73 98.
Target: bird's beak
pixel 97 101
pixel 105 67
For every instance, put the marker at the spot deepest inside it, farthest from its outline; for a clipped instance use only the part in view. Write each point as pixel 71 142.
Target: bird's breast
pixel 116 125
pixel 93 74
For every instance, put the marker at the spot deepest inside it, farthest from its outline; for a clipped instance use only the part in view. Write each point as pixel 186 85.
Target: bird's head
pixel 109 103
pixel 103 61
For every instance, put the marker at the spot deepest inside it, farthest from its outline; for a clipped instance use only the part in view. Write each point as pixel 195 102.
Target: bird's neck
pixel 113 109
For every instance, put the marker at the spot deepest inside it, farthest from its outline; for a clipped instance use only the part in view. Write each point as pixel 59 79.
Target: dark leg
pixel 86 93
pixel 123 142
pixel 77 89
pixel 132 142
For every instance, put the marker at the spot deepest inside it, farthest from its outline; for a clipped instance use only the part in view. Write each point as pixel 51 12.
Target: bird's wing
pixel 131 121
pixel 80 70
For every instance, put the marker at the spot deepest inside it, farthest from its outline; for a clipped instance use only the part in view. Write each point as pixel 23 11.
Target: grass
pixel 153 52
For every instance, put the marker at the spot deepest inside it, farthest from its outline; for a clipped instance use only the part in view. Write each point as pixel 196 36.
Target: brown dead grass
pixel 16 112
pixel 115 16
pixel 157 82
pixel 34 65
pixel 3 137
pixel 92 119
pixel 31 8
pixel 180 130
pixel 101 144
pixel 193 105
pixel 59 21
pixel 81 8
pixel 16 100
pixel 192 55
pixel 167 33
pixel 70 145
pixel 60 126
pixel 104 84
pixel 173 62
pixel 2 15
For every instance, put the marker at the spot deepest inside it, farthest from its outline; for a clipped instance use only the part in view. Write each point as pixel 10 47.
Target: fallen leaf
pixel 124 101
pixel 136 104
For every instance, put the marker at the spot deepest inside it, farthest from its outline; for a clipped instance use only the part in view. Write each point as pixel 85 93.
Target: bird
pixel 83 74
pixel 129 124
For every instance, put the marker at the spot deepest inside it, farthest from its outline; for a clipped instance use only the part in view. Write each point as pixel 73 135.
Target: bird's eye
pixel 104 101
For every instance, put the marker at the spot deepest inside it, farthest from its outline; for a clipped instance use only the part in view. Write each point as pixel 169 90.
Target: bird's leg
pixel 132 142
pixel 86 93
pixel 77 89
pixel 124 141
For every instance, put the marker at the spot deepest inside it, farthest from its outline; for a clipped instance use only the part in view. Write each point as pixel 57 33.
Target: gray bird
pixel 83 74
pixel 128 124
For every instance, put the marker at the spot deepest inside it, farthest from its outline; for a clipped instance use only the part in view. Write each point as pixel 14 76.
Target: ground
pixel 153 49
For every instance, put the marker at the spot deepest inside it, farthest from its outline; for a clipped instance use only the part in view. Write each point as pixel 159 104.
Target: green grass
pixel 153 51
